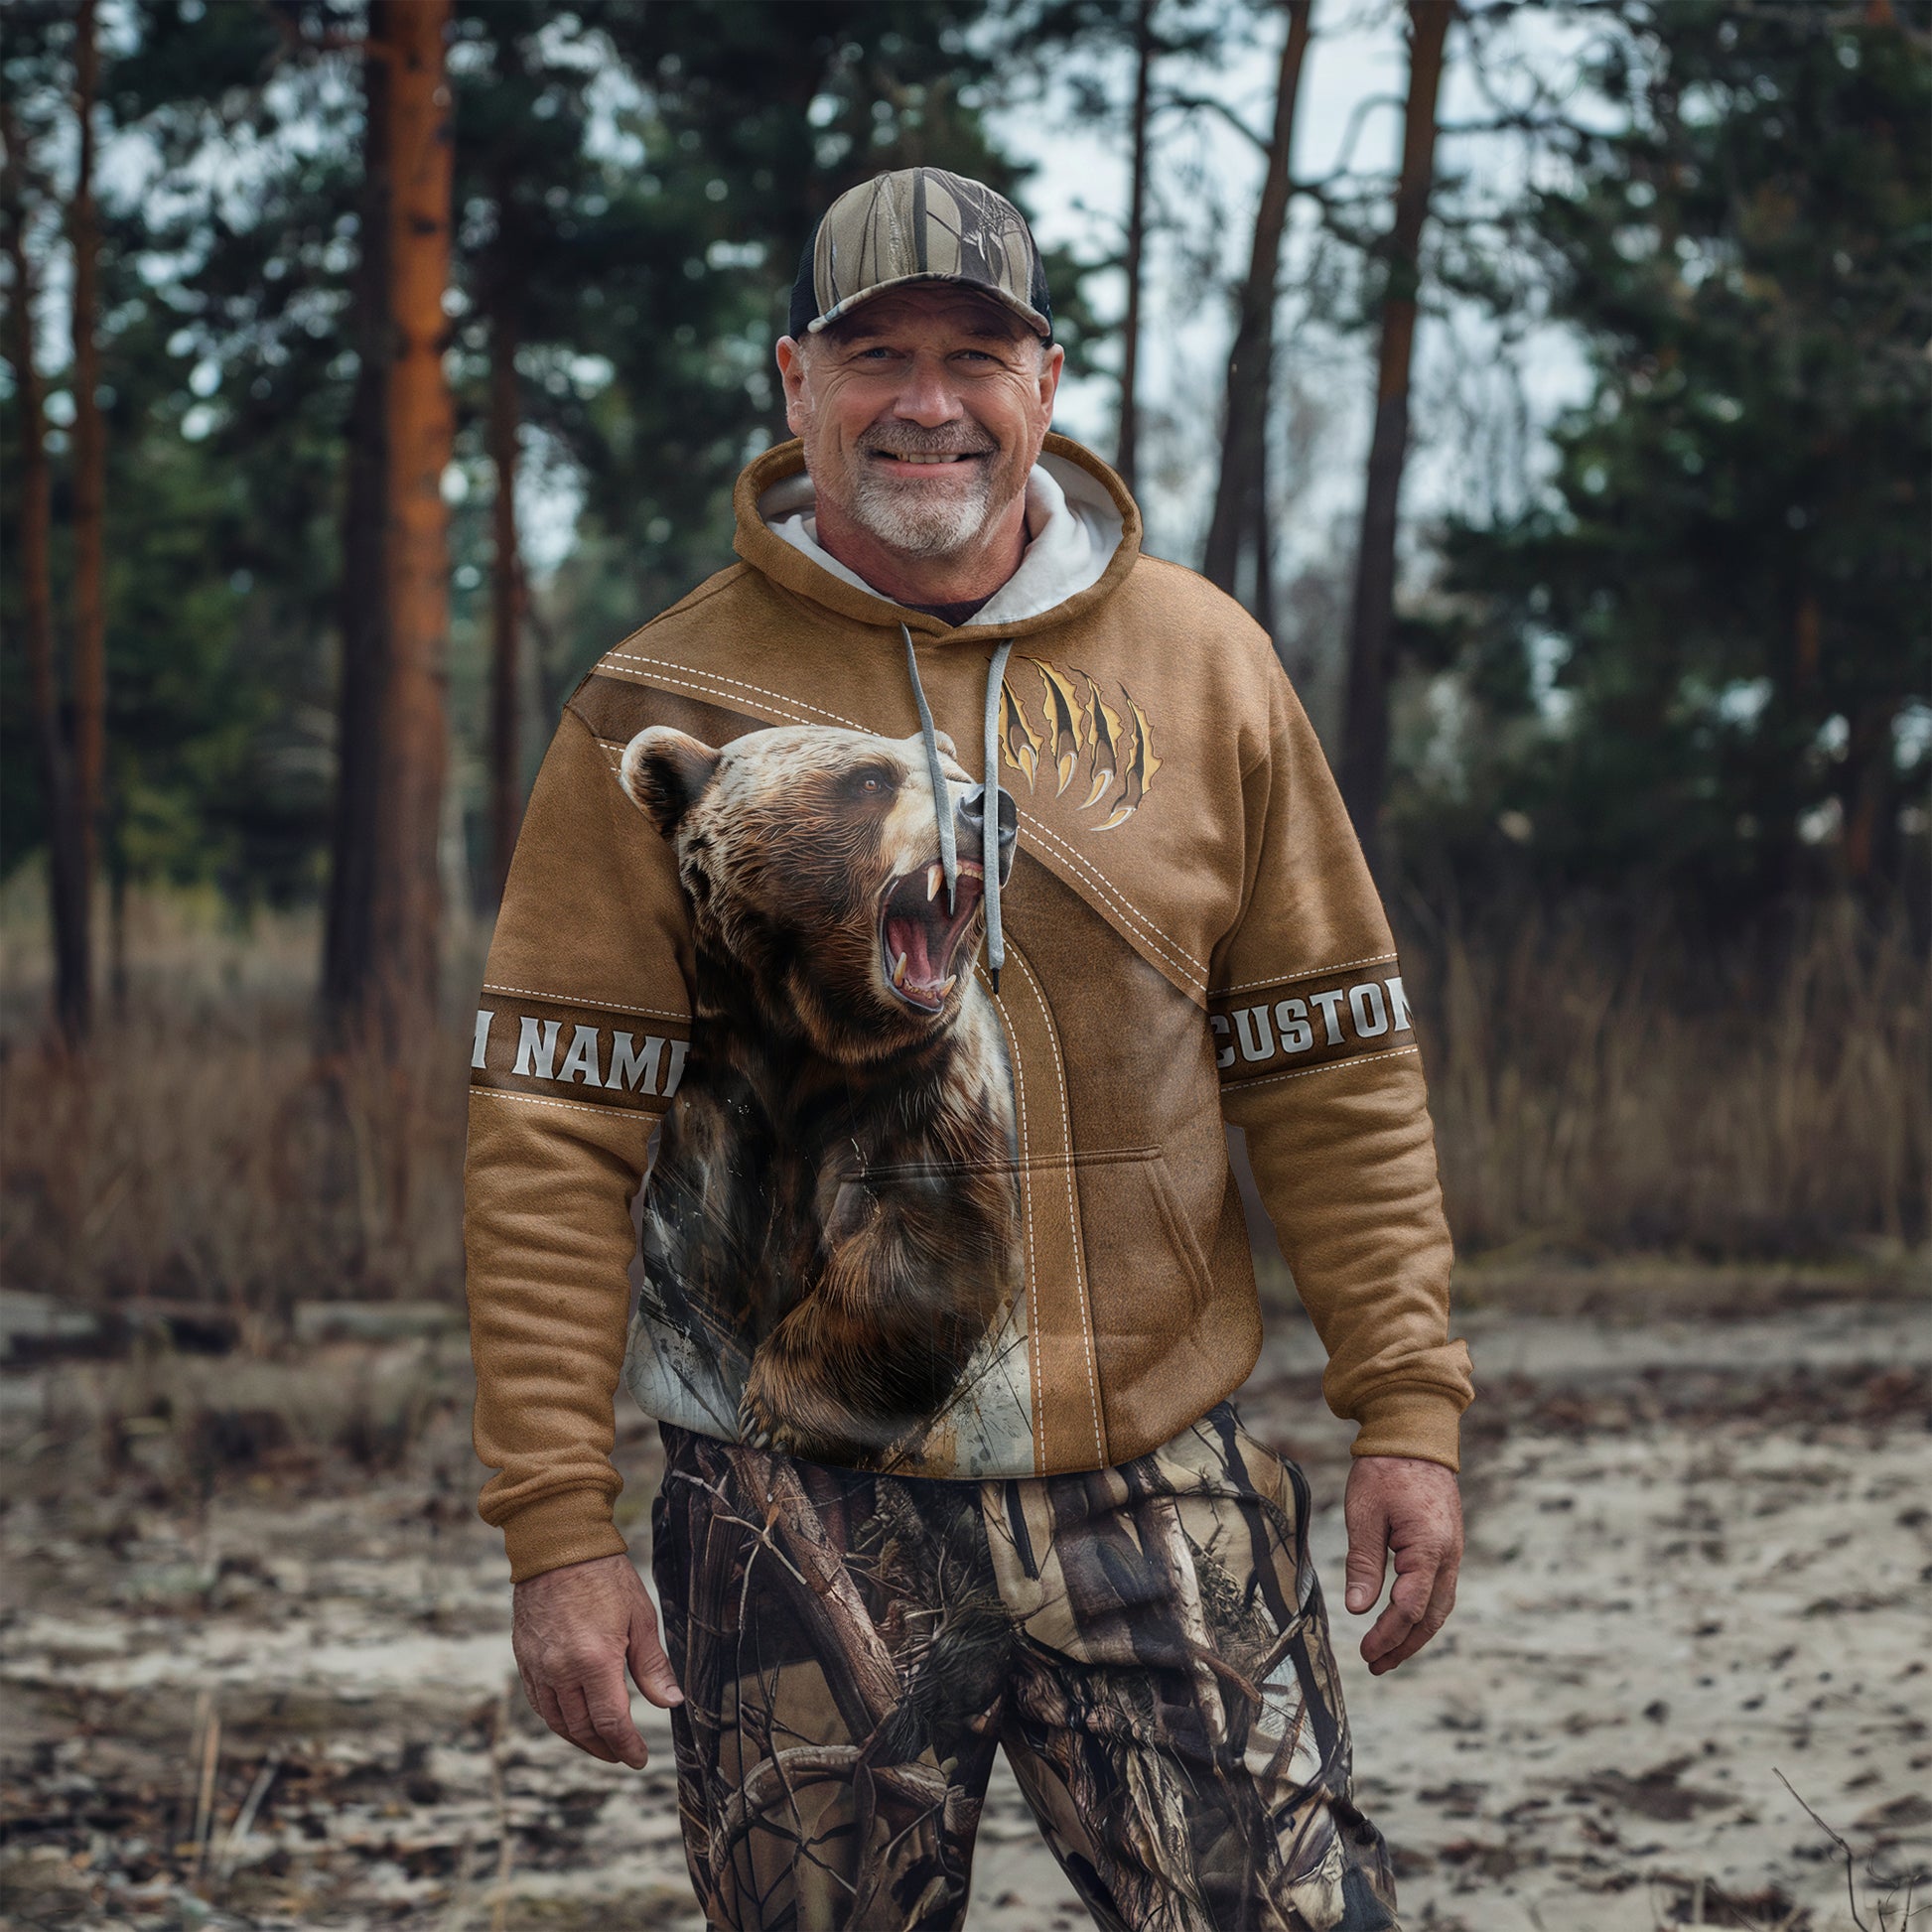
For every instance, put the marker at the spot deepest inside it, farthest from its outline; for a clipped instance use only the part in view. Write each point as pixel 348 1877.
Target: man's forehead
pixel 938 309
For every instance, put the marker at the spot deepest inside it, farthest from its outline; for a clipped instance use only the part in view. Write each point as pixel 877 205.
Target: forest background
pixel 1550 380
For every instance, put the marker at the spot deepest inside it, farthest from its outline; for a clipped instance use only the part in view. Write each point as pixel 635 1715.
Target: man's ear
pixel 664 771
pixel 1051 365
pixel 792 377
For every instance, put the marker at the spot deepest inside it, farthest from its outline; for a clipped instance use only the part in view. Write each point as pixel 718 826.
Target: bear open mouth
pixel 922 942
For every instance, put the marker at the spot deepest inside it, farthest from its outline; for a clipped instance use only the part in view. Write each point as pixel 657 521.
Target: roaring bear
pixel 831 1228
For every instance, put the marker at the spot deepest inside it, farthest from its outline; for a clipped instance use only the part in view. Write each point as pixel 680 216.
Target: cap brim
pixel 1028 314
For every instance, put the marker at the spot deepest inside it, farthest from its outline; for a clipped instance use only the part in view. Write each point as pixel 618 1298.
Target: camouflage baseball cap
pixel 920 224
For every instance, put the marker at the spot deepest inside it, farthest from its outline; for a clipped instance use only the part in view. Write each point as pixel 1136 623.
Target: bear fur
pixel 833 1217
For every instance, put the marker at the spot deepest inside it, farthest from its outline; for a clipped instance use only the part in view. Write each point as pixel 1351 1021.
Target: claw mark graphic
pixel 1017 739
pixel 1142 765
pixel 1066 720
pixel 1103 734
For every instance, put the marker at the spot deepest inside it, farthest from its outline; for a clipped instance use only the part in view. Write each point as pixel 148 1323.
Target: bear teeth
pixel 947 984
pixel 936 877
pixel 898 970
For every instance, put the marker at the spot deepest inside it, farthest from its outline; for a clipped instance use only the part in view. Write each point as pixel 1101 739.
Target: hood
pixel 1083 534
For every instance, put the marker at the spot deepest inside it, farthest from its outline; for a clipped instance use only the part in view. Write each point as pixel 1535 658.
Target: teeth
pixel 898 970
pixel 947 984
pixel 936 877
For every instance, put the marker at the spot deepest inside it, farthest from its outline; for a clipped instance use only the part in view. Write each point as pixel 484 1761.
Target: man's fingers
pixel 610 1713
pixel 648 1663
pixel 1423 1632
pixel 592 1715
pixel 543 1701
pixel 1368 1546
pixel 1408 1602
pixel 1403 1629
pixel 579 1727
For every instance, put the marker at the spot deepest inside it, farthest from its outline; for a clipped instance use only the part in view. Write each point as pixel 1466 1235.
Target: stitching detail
pixel 1314 973
pixel 1026 1197
pixel 569 1106
pixel 1072 1217
pixel 1172 947
pixel 1163 942
pixel 571 1000
pixel 1303 1072
pixel 736 683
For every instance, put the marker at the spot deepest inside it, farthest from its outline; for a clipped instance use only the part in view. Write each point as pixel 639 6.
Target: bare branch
pixel 1851 1863
pixel 1201 103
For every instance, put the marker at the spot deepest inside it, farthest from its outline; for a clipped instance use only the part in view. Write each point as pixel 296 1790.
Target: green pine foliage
pixel 1700 665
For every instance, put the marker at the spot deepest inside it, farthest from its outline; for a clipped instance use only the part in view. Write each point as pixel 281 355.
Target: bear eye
pixel 869 781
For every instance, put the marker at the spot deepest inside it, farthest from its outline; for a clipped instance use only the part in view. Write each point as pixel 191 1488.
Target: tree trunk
pixel 1240 508
pixel 66 886
pixel 405 899
pixel 385 898
pixel 1365 726
pixel 1127 453
pixel 506 594
pixel 363 608
pixel 89 473
pixel 1263 536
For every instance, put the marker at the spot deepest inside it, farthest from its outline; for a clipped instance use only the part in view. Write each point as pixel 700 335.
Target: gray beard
pixel 916 522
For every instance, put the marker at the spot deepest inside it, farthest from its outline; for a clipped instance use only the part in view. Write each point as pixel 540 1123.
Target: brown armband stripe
pixel 1264 1031
pixel 547 1048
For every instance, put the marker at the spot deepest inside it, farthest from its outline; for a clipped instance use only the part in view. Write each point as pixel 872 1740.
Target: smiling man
pixel 917 899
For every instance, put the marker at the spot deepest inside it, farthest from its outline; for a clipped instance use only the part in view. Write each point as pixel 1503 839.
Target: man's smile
pixel 916 464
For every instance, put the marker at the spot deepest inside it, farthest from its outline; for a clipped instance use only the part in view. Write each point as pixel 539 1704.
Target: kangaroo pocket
pixel 1130 1206
pixel 1173 1332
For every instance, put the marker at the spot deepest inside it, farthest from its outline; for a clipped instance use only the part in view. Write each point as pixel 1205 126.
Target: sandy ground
pixel 249 1682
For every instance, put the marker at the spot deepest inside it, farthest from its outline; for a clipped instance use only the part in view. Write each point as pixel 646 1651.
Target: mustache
pixel 912 441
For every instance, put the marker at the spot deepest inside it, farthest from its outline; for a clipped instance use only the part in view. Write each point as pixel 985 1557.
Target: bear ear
pixel 664 771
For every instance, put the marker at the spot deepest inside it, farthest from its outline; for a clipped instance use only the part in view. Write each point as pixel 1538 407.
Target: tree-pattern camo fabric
pixel 1148 1644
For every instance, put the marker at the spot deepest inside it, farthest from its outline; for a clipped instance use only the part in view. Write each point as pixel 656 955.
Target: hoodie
pixel 865 1006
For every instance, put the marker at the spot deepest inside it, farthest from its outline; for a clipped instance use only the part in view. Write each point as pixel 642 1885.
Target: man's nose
pixel 926 397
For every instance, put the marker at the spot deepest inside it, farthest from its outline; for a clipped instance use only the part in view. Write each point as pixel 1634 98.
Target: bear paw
pixel 756 1428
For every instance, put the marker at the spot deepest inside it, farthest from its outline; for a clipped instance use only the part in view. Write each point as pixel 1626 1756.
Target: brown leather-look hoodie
pixel 757 1126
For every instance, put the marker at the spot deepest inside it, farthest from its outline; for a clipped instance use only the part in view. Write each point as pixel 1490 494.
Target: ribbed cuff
pixel 1422 1422
pixel 569 1526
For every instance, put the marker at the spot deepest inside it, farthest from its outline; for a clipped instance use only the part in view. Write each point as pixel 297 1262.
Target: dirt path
pixel 1696 1559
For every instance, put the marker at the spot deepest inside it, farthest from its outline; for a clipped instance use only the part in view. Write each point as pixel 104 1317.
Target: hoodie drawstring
pixel 941 797
pixel 996 947
pixel 995 944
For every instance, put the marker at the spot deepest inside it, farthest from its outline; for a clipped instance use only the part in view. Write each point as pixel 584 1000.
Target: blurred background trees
pixel 372 368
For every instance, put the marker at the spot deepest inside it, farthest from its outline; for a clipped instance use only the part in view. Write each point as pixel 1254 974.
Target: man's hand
pixel 1411 1510
pixel 573 1630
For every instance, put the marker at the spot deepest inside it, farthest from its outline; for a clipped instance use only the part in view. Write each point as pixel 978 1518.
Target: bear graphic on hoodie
pixel 832 1232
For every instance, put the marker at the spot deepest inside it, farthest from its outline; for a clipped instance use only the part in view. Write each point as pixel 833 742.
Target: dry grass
pixel 1587 1100
pixel 205 1151
pixel 1601 1099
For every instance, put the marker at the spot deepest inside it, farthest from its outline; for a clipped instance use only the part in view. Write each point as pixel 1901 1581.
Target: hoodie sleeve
pixel 580 1039
pixel 1317 1051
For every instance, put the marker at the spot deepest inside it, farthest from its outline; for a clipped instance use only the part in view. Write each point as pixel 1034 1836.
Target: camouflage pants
pixel 1148 1644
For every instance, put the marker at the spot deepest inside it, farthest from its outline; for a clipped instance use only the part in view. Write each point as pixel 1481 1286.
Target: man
pixel 934 883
